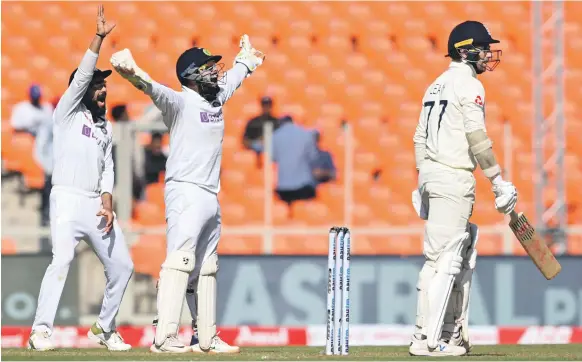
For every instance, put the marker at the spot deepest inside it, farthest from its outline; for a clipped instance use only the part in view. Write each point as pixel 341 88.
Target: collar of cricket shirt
pixel 465 67
pixel 214 103
pixel 100 122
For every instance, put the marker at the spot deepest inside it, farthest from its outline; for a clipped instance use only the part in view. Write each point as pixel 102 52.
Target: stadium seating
pixel 366 63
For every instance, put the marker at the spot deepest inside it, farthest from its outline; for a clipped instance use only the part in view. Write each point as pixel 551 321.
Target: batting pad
pixel 424 278
pixel 171 293
pixel 448 266
pixel 207 302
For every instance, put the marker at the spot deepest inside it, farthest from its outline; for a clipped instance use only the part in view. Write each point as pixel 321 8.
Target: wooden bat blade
pixel 535 246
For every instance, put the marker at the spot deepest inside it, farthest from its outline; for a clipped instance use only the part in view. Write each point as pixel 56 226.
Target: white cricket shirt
pixel 196 130
pixel 81 147
pixel 453 105
pixel 25 116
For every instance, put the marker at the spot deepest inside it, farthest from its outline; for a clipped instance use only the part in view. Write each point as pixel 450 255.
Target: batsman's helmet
pixel 474 37
pixel 191 60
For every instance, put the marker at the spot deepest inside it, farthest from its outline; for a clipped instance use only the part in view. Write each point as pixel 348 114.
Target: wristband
pixel 101 36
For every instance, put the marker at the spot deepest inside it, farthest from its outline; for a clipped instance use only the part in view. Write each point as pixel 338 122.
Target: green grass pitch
pixel 568 352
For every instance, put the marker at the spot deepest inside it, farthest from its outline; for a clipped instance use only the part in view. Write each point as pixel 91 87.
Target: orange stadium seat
pixel 148 254
pixel 365 63
pixel 574 245
pixel 8 246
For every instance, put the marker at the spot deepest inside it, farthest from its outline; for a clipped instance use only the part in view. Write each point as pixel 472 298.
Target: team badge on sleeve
pixel 479 101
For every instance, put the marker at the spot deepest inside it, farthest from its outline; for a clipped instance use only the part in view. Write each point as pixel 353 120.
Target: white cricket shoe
pixel 457 340
pixel 171 345
pixel 40 341
pixel 419 347
pixel 112 340
pixel 217 346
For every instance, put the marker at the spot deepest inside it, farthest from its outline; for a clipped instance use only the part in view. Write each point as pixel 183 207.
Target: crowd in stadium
pixel 296 149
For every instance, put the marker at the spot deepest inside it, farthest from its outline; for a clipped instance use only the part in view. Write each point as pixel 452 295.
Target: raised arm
pixel 245 63
pixel 167 100
pixel 84 74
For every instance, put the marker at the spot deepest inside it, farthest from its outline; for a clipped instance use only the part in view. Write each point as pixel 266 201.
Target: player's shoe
pixel 419 347
pixel 171 345
pixel 217 346
pixel 112 340
pixel 40 341
pixel 193 340
pixel 457 340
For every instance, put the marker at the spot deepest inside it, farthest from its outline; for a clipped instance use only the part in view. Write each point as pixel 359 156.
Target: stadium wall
pixel 289 291
pixel 360 335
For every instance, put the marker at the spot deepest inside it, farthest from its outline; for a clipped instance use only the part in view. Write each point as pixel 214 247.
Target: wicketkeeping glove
pixel 125 65
pixel 505 196
pixel 248 55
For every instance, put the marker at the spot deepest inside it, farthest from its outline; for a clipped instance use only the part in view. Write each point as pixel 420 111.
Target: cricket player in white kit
pixel 195 120
pixel 450 140
pixel 81 200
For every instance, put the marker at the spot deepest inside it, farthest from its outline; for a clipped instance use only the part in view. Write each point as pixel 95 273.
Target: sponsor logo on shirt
pixel 86 131
pixel 206 117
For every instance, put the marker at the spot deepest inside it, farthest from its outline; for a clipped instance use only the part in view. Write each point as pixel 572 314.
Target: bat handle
pixel 513 215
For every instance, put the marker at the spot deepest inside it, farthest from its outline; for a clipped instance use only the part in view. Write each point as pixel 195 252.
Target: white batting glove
pixel 125 65
pixel 505 196
pixel 248 55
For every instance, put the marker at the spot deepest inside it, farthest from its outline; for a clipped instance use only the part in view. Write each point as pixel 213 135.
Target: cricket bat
pixel 536 247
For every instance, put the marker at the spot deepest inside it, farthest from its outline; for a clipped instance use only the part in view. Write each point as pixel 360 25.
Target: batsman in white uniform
pixel 81 201
pixel 450 140
pixel 195 120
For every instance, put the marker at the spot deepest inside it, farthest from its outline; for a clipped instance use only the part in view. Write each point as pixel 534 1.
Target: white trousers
pixel 74 218
pixel 193 224
pixel 451 194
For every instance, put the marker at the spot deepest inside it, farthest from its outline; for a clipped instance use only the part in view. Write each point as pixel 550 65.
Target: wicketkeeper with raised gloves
pixel 81 201
pixel 449 142
pixel 195 120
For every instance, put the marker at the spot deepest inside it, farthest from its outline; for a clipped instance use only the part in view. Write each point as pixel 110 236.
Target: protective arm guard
pixel 481 147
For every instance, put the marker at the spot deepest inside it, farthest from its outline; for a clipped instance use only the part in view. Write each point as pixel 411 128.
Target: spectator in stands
pixel 295 152
pixel 119 113
pixel 155 159
pixel 253 136
pixel 28 115
pixel 43 154
pixel 324 169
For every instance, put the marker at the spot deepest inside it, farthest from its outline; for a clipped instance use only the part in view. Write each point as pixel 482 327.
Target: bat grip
pixel 513 215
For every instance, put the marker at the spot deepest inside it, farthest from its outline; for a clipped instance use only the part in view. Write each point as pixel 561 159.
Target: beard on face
pixel 93 104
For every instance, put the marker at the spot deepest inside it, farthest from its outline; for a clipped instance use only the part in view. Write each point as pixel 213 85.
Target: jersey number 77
pixel 443 103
